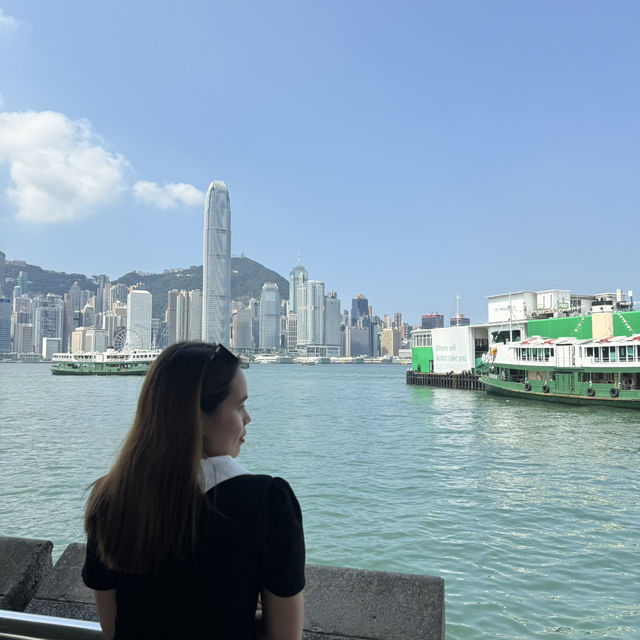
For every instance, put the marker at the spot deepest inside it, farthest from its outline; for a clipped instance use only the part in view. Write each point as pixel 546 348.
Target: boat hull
pixel 495 388
pixel 100 371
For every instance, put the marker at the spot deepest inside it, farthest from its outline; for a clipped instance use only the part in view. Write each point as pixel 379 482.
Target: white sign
pixel 452 350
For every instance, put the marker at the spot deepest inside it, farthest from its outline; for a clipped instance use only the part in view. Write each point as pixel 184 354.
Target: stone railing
pixel 339 603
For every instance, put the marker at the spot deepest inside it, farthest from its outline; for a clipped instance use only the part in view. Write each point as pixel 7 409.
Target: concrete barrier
pixel 23 564
pixel 62 593
pixel 376 605
pixel 340 603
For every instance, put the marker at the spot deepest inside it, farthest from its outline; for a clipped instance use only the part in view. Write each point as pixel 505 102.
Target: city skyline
pixel 406 155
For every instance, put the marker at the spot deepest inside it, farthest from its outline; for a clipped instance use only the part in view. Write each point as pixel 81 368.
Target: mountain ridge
pixel 247 278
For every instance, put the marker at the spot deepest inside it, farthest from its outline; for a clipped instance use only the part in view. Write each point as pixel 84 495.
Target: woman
pixel 181 540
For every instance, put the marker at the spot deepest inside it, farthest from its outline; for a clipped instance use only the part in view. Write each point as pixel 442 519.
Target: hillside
pixel 247 278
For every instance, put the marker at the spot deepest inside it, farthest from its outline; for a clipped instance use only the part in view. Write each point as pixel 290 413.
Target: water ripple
pixel 529 512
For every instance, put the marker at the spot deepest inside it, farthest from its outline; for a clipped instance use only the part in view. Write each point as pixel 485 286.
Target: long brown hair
pixel 142 513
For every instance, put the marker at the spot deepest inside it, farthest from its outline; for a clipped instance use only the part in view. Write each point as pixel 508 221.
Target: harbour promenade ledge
pixel 40 601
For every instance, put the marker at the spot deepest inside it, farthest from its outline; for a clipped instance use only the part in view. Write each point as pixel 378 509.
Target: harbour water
pixel 530 512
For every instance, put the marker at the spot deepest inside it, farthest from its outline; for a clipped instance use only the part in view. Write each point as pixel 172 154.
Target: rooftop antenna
pixel 299 256
pixel 457 303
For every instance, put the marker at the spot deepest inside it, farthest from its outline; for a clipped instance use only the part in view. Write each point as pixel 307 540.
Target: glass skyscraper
pixel 269 316
pixel 216 267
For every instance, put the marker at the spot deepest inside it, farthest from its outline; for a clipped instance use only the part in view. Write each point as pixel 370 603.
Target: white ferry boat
pixel 111 362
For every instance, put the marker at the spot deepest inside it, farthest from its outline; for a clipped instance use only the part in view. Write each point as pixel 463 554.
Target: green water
pixel 530 512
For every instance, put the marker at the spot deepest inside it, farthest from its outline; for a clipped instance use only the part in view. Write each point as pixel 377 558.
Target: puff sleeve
pixel 94 574
pixel 283 541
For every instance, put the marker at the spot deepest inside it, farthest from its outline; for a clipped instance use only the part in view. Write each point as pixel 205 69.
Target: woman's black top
pixel 249 536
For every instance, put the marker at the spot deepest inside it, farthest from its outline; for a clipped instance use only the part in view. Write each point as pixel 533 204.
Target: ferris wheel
pixel 127 341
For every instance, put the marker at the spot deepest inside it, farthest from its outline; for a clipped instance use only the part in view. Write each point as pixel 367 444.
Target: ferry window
pixel 589 352
pixel 638 351
pixel 622 354
pixel 605 354
pixel 546 355
pixel 596 354
pixel 551 352
pixel 630 353
pixel 612 354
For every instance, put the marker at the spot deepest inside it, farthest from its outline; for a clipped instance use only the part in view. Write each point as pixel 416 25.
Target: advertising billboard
pixel 452 350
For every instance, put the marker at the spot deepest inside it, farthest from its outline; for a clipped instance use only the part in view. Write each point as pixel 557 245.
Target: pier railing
pixel 464 380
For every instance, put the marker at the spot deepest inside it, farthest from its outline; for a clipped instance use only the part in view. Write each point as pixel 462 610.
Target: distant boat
pixel 109 363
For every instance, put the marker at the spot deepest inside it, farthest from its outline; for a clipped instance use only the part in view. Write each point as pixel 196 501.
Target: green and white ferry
pixel 598 369
pixel 110 363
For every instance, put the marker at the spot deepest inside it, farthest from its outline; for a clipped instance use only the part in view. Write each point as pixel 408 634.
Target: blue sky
pixel 404 149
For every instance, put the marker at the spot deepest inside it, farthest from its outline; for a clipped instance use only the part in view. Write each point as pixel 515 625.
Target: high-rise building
pixel 459 321
pixel 359 308
pixel 5 324
pixel 139 317
pixel 102 294
pixel 432 321
pixel 23 337
pixel 2 276
pixel 216 269
pixel 97 340
pixel 182 316
pixel 241 337
pixel 356 341
pixel 397 320
pixel 170 316
pixel 292 331
pixel 269 316
pixel 297 277
pixel 48 319
pixel 23 282
pixel 51 346
pixel 332 319
pixel 194 330
pixel 118 293
pixel 310 300
pixel 390 342
pixel 254 305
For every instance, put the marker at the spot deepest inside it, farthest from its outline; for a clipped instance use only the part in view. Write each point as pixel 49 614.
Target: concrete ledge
pixel 62 593
pixel 340 604
pixel 376 605
pixel 23 564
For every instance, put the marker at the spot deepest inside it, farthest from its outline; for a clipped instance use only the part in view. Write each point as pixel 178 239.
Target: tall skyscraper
pixel 359 308
pixel 170 316
pixel 2 280
pixel 194 331
pixel 5 325
pixel 269 316
pixel 23 282
pixel 332 319
pixel 48 319
pixel 311 316
pixel 102 294
pixel 216 268
pixel 139 316
pixel 241 324
pixel 297 277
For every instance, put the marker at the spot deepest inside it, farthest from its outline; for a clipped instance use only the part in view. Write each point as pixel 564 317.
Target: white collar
pixel 217 469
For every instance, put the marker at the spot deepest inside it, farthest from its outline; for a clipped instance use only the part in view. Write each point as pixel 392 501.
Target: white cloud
pixel 7 23
pixel 168 196
pixel 58 168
